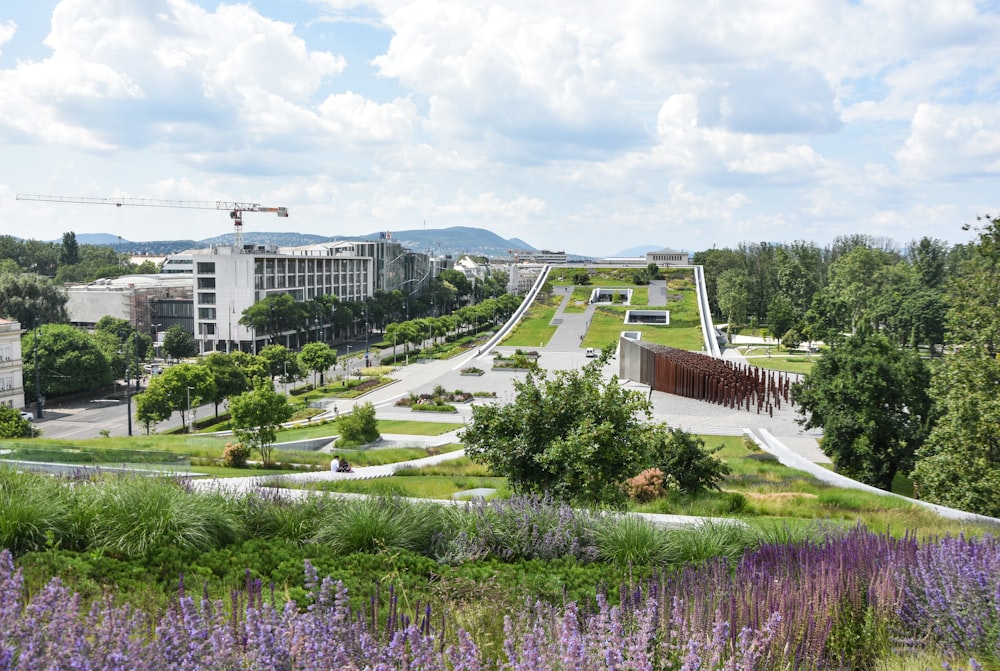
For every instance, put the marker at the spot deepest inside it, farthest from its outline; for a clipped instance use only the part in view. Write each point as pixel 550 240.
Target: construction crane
pixel 236 210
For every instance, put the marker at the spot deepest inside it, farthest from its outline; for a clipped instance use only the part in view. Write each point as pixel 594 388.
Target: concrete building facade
pixel 11 364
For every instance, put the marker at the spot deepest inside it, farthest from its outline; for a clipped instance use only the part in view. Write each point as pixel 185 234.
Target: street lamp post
pixel 189 409
pixel 38 383
pixel 284 378
pixel 128 385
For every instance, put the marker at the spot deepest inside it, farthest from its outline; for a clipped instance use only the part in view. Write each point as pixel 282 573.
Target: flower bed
pixel 439 401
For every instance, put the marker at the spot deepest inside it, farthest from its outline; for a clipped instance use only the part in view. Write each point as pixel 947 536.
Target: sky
pixel 578 125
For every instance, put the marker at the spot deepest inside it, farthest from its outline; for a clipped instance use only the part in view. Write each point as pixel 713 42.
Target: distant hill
pixel 454 241
pixel 638 251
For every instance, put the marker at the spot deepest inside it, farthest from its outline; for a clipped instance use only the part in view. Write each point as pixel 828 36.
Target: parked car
pixel 30 416
pixel 591 352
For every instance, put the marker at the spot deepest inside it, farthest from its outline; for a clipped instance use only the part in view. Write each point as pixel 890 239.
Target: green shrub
pixel 359 426
pixel 646 486
pixel 235 455
pixel 684 458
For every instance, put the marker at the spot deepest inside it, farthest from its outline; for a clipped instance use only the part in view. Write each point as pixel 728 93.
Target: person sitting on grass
pixel 335 464
pixel 345 467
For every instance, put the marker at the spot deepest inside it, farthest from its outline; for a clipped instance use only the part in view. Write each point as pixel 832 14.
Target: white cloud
pixel 952 143
pixel 495 71
pixel 7 30
pixel 119 70
pixel 360 119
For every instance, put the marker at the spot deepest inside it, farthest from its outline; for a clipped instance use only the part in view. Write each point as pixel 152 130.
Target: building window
pixel 206 313
pixel 206 298
pixel 206 282
pixel 206 268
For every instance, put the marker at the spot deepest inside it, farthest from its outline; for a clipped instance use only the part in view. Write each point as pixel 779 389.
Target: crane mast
pixel 236 209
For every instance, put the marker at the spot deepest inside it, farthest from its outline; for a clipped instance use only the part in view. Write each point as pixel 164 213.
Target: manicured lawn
pixel 535 327
pixel 790 364
pixel 608 323
pixel 773 494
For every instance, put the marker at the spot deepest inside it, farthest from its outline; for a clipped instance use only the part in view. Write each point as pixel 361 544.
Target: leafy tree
pixel 186 386
pixel 317 357
pixel 274 315
pixel 280 362
pixel 858 278
pixel 359 426
pixel 959 465
pixel 26 297
pixel 800 271
pixel 685 460
pixel 575 436
pixel 792 338
pixel 827 318
pixel 781 316
pixel 69 361
pixel 229 379
pixel 733 296
pixel 974 315
pixel 929 258
pixel 12 425
pixel 257 414
pixel 70 253
pixel 871 400
pixel 254 366
pixel 153 406
pixel 178 343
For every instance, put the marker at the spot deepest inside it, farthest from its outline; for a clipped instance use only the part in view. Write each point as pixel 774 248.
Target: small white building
pixel 668 257
pixel 11 364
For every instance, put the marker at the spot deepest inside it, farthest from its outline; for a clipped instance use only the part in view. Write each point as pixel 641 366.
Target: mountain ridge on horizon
pixel 454 240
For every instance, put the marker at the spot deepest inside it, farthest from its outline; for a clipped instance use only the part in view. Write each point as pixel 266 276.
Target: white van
pixel 591 352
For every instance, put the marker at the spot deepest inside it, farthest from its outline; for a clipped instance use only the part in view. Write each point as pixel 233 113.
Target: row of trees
pixel 413 332
pixel 819 293
pixel 886 410
pixel 244 381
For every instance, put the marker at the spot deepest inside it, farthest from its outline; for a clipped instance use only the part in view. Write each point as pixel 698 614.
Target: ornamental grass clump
pixel 379 524
pixel 35 511
pixel 131 516
pixel 267 513
pixel 630 540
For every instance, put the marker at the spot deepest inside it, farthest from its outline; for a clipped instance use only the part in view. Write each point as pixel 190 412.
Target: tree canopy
pixel 871 399
pixel 27 297
pixel 959 465
pixel 68 361
pixel 577 437
pixel 257 414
